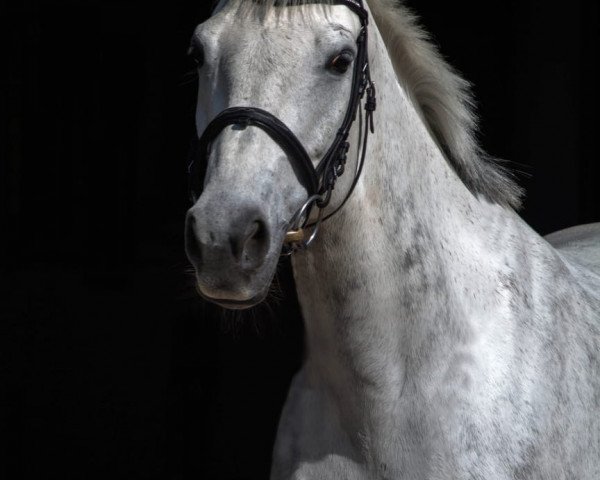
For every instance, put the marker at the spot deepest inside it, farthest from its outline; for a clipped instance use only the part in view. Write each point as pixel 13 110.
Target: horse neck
pixel 400 273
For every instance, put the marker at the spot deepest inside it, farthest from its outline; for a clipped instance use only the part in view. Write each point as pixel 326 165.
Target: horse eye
pixel 196 52
pixel 341 62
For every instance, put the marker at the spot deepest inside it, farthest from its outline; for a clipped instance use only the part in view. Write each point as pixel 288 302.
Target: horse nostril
pixel 250 248
pixel 192 245
pixel 241 239
pixel 258 231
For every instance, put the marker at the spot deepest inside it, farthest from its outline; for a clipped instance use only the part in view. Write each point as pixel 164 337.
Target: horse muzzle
pixel 230 250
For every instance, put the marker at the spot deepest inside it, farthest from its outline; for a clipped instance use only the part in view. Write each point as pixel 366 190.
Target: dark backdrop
pixel 109 365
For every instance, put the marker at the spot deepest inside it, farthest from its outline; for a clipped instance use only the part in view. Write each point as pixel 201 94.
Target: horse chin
pixel 235 290
pixel 230 304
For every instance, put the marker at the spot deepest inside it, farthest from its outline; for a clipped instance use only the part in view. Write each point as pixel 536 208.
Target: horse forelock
pixel 443 98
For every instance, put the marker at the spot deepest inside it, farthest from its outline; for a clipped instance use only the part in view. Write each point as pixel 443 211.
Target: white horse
pixel 445 339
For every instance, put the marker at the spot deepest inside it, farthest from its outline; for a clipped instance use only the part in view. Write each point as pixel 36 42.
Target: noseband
pixel 320 181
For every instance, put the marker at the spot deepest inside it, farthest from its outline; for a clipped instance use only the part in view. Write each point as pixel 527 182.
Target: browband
pixel 355 5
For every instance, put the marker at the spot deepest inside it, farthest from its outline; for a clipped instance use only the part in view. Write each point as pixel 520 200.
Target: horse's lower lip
pixel 233 304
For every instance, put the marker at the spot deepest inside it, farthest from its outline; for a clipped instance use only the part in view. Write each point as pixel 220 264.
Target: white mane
pixel 445 101
pixel 441 95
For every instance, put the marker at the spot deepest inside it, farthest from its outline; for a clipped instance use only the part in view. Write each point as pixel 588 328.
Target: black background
pixel 109 365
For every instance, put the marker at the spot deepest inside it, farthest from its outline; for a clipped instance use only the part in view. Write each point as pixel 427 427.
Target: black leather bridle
pixel 320 181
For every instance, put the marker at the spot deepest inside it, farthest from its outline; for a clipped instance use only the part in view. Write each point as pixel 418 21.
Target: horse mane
pixel 445 101
pixel 443 98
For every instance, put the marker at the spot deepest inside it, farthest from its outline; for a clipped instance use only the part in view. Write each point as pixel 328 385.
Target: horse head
pixel 300 76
